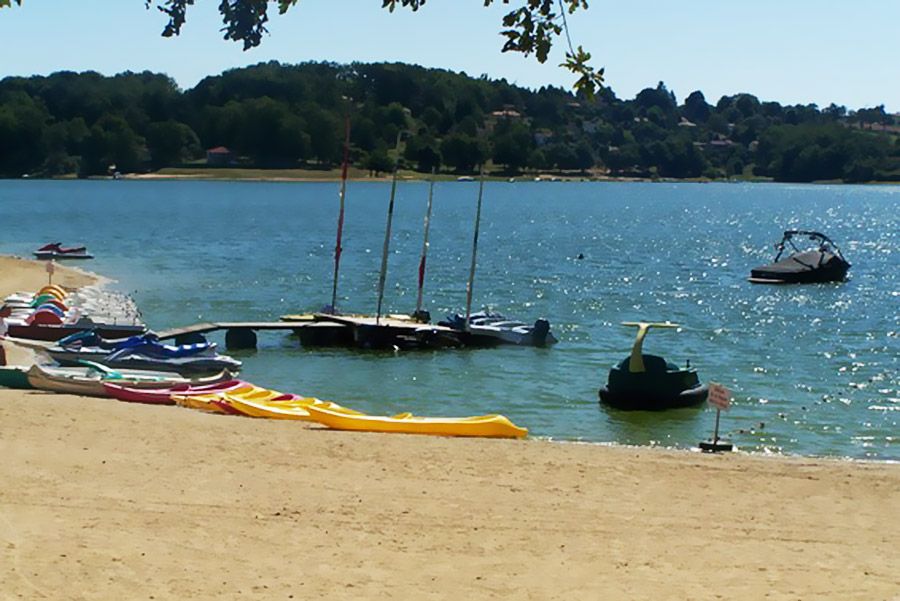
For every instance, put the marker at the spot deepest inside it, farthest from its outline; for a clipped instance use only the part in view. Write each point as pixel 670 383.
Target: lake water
pixel 814 369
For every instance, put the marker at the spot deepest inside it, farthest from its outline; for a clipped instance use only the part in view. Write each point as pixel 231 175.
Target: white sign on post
pixel 719 396
pixel 50 267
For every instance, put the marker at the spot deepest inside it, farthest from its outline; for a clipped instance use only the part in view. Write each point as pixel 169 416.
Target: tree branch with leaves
pixel 531 28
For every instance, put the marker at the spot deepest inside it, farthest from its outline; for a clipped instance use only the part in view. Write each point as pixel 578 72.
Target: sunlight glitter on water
pixel 817 365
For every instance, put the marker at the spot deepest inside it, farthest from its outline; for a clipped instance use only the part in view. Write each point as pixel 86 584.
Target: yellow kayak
pixel 206 402
pixel 491 426
pixel 248 395
pixel 293 409
pixel 58 291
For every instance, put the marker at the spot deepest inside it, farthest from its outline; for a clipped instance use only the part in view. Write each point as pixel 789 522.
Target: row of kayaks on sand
pixel 224 394
pixel 141 369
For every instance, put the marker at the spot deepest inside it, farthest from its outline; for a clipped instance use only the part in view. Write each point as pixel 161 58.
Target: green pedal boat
pixel 649 382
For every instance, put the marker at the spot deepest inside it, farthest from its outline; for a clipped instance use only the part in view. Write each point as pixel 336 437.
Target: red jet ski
pixel 55 250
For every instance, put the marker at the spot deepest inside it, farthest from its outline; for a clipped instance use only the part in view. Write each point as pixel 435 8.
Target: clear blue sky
pixel 792 51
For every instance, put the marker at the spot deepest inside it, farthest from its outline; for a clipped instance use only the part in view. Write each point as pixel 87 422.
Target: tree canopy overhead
pixel 529 28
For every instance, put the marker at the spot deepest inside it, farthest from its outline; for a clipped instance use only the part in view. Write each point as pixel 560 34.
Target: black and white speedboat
pixel 491 329
pixel 822 263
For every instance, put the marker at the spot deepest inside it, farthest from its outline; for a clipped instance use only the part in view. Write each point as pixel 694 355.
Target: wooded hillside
pixel 272 115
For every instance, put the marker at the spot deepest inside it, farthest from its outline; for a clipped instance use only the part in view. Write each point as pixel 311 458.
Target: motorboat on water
pixel 56 251
pixel 822 263
pixel 490 329
pixel 649 382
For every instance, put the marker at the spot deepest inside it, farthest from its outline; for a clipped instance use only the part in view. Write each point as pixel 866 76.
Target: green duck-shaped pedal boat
pixel 649 382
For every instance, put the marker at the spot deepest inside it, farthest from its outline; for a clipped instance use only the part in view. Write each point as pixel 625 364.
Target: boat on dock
pixel 394 331
pixel 492 329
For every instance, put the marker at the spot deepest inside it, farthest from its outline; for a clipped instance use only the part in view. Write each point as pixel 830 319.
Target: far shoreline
pixel 360 176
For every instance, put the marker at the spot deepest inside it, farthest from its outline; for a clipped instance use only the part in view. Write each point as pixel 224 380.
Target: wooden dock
pixel 205 328
pixel 242 334
pixel 323 329
pixel 391 332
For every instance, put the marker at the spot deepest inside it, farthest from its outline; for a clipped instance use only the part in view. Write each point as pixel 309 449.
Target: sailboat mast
pixel 425 245
pixel 387 234
pixel 474 249
pixel 340 225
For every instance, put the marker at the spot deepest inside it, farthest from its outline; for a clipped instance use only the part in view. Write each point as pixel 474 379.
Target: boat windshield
pixel 823 243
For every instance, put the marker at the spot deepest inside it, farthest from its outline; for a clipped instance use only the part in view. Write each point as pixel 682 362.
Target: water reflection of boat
pixel 649 382
pixel 824 263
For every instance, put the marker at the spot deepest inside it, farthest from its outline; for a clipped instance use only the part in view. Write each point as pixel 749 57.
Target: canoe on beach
pixel 91 379
pixel 489 426
pixel 290 409
pixel 163 396
pixel 212 400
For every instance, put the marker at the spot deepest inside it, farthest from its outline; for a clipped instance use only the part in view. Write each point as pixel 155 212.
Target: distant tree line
pixel 273 115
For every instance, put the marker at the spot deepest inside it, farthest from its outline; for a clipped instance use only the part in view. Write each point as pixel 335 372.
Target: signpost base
pixel 720 398
pixel 708 446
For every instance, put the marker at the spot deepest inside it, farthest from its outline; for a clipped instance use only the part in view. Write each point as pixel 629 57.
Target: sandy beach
pixel 25 275
pixel 108 500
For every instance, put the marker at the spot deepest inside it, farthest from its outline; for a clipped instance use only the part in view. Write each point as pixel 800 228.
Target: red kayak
pixel 163 396
pixel 226 407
